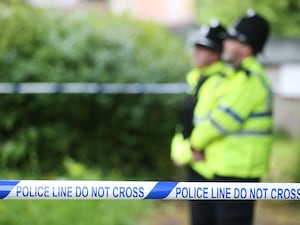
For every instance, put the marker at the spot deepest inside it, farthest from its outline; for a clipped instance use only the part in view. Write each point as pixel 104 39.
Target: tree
pixel 283 15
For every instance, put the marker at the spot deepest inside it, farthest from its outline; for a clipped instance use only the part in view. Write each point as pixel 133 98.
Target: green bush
pixel 129 134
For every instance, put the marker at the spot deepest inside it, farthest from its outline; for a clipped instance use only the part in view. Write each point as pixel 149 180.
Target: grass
pixel 57 212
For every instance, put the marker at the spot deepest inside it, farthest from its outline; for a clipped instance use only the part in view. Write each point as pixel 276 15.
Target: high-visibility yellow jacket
pixel 235 128
pixel 180 147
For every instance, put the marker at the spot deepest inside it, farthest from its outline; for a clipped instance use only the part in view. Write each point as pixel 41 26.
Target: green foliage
pixel 283 14
pixel 286 149
pixel 124 133
pixel 281 134
pixel 296 172
pixel 285 159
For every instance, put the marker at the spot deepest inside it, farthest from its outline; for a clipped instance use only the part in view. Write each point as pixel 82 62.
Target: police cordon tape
pixel 93 88
pixel 71 189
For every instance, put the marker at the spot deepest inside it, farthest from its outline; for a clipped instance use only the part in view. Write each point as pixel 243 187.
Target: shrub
pixel 124 133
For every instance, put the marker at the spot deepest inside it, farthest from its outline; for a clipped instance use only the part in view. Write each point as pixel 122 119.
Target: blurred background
pixel 119 136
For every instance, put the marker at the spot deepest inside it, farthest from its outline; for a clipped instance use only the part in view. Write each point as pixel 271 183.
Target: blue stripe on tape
pixel 58 88
pixel 16 88
pixel 161 190
pixel 6 186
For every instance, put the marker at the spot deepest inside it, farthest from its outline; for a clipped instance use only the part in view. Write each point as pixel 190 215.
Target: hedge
pixel 128 134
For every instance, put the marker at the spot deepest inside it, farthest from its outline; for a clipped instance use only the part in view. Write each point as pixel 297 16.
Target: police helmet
pixel 252 29
pixel 211 36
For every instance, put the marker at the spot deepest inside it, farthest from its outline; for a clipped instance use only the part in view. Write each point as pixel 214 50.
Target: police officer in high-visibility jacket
pixel 204 80
pixel 236 134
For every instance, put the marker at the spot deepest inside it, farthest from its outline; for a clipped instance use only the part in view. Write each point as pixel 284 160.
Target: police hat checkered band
pixel 233 33
pixel 203 41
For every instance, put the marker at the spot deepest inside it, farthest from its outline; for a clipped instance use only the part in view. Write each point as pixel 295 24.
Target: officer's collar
pixel 246 63
pixel 216 67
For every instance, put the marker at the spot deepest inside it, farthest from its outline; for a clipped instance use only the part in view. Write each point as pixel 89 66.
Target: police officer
pixel 204 79
pixel 236 134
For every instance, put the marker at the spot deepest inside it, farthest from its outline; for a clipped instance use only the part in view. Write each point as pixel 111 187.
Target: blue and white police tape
pixel 93 88
pixel 63 189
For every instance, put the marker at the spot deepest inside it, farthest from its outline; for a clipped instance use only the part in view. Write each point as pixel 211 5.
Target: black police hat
pixel 211 36
pixel 252 29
